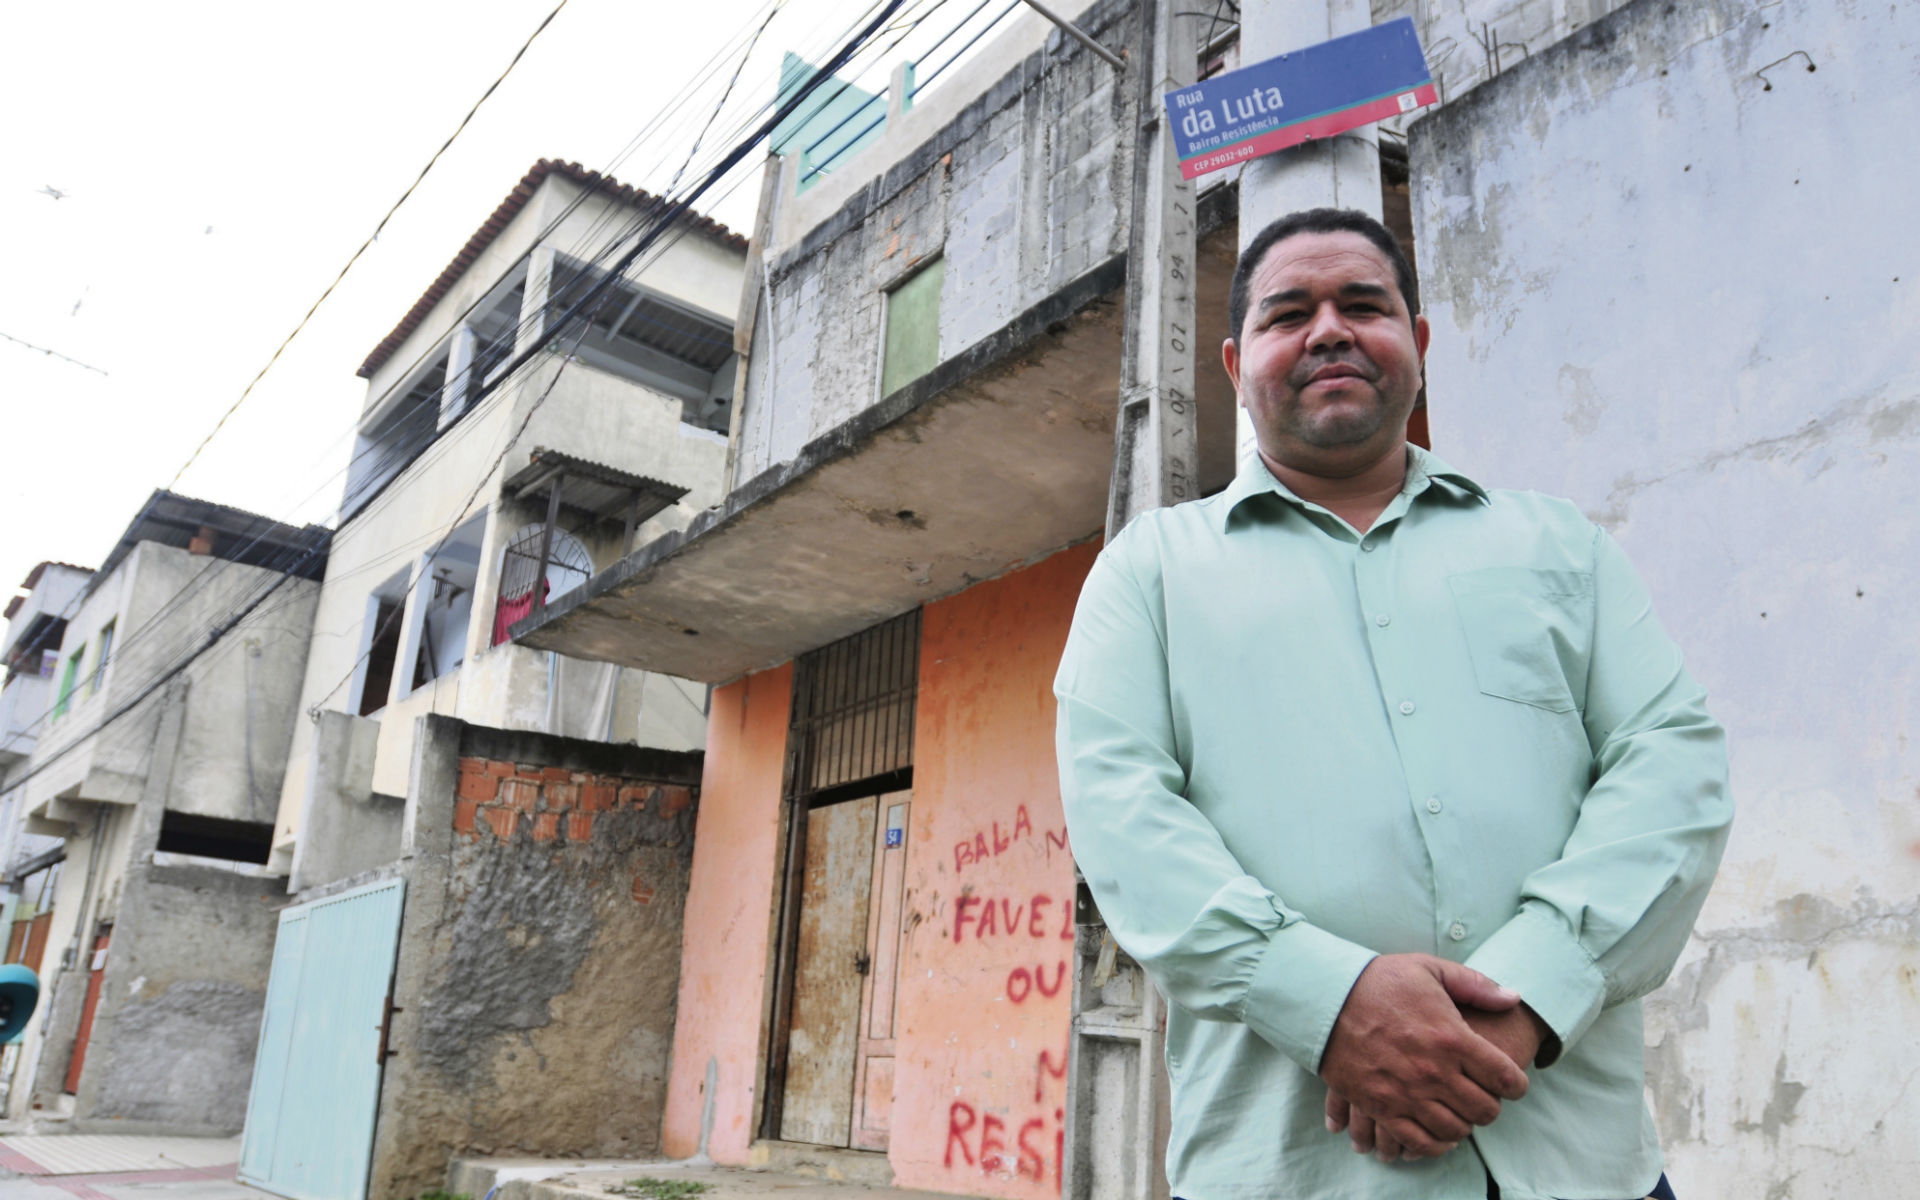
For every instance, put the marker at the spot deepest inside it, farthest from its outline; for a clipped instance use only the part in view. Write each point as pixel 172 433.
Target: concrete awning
pixel 997 458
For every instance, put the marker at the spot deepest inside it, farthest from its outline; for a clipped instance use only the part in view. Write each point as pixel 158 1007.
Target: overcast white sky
pixel 222 161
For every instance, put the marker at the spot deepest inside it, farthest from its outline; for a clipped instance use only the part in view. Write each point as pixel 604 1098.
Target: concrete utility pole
pixel 1116 1112
pixel 1340 172
pixel 1117 1105
pixel 1156 446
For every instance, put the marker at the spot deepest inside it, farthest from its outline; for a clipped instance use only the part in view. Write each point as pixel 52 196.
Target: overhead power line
pixel 51 353
pixel 666 214
pixel 288 341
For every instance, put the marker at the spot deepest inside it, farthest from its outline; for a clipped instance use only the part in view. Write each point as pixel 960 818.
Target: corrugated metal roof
pixel 238 536
pixel 509 208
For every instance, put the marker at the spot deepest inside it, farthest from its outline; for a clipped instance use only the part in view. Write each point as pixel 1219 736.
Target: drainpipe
pixel 88 902
pixel 553 692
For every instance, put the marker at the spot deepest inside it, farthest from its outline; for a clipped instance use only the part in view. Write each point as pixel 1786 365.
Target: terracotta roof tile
pixel 502 216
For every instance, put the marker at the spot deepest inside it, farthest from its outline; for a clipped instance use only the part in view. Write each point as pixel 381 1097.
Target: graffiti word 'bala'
pixel 1233 111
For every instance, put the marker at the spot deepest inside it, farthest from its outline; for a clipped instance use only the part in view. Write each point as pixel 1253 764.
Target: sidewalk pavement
pixel 529 1179
pixel 92 1167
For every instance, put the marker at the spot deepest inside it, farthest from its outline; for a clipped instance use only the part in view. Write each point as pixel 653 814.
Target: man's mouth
pixel 1333 372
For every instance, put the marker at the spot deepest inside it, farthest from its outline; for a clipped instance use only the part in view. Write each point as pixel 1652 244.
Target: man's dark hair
pixel 1318 220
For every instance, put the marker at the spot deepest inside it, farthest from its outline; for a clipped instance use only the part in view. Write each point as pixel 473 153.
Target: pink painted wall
pixel 729 913
pixel 985 984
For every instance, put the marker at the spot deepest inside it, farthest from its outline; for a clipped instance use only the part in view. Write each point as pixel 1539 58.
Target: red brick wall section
pixel 501 799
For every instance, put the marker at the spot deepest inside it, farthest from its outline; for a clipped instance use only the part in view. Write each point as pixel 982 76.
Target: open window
pixel 394 434
pixel 443 606
pixel 379 646
pixel 215 837
pixel 543 561
pixel 646 337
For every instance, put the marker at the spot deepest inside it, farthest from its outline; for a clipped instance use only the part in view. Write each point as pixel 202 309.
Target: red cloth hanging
pixel 510 611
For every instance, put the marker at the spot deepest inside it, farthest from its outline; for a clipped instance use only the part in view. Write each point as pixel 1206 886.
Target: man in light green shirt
pixel 1392 783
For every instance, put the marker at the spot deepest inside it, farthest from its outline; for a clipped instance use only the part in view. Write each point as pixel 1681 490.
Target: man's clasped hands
pixel 1424 1050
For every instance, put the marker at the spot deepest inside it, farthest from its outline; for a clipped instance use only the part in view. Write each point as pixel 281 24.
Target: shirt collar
pixel 1424 467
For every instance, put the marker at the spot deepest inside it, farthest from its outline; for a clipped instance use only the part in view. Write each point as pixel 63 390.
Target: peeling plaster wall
pixel 1022 191
pixel 729 924
pixel 539 951
pixel 1670 276
pixel 179 1017
pixel 986 981
pixel 982 1009
pixel 1468 42
pixel 234 744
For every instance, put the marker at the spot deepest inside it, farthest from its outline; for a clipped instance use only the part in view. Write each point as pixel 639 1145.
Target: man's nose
pixel 1329 329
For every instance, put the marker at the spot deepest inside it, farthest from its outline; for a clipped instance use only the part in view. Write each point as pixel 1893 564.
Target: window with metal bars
pixel 852 727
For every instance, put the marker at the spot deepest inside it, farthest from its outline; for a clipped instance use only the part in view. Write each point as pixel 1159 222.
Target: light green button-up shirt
pixel 1286 747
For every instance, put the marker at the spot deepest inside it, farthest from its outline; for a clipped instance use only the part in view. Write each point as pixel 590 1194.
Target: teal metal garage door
pixel 316 1078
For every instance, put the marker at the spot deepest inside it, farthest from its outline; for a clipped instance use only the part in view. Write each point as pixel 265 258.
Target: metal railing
pixel 814 162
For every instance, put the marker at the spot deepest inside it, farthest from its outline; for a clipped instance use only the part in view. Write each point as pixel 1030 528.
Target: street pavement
pixel 89 1167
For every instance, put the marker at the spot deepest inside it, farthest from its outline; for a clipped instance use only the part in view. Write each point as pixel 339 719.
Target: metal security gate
pixel 316 1078
pixel 849 780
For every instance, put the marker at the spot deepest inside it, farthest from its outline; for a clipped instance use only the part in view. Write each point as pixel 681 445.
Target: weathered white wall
pixel 234 740
pixel 1688 301
pixel 1014 171
pixel 586 413
pixel 1469 41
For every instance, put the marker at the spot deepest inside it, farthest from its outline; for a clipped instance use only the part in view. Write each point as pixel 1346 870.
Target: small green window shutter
pixel 100 663
pixel 67 681
pixel 913 328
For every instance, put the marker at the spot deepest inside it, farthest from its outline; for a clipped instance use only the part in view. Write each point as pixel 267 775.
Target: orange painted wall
pixel 729 912
pixel 985 985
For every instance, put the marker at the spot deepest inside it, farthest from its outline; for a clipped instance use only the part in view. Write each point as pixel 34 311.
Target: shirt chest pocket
pixel 1530 632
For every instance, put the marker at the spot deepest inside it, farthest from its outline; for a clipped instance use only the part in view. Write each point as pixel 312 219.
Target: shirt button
pixel 1406 708
pixel 1366 547
pixel 1383 620
pixel 1458 932
pixel 1433 804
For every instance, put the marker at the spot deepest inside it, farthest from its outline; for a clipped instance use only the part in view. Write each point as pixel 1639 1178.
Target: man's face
pixel 1328 363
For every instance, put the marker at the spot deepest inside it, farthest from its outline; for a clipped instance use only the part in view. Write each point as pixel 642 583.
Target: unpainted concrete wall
pixel 1668 268
pixel 234 744
pixel 1023 191
pixel 179 1017
pixel 1468 42
pixel 539 951
pixel 351 828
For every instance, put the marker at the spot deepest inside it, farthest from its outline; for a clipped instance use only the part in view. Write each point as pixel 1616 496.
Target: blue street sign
pixel 1312 93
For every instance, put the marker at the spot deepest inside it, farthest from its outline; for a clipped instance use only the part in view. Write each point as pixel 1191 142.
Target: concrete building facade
pixel 455 466
pixel 179 667
pixel 1640 277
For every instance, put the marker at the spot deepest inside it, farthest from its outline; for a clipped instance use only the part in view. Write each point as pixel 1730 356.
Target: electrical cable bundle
pixel 661 216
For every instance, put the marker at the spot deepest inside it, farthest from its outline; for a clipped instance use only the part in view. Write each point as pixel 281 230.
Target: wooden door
pixel 873 1069
pixel 830 958
pixel 97 973
pixel 37 941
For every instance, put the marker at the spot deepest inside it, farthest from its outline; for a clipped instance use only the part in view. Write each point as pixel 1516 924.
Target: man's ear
pixel 1422 334
pixel 1230 355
